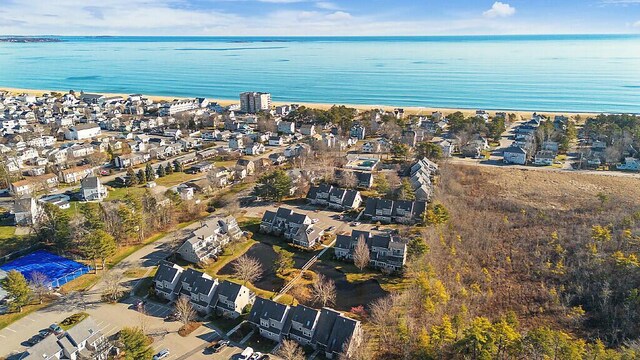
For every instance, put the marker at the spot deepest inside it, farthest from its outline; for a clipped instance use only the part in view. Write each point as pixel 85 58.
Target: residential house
pixel 231 299
pixel 371 147
pixel 26 211
pixel 167 280
pixel 130 160
pixel 286 127
pixel 34 184
pixel 82 131
pixel 386 251
pixel 91 189
pixel 254 149
pixel 544 157
pixel 246 164
pixel 389 211
pixel 208 240
pixel 358 131
pixel 335 333
pixel 308 129
pixel 515 155
pixel 269 317
pixel 75 174
pixel 276 141
pixel 82 341
pixel 202 293
pixel 334 197
pixel 301 324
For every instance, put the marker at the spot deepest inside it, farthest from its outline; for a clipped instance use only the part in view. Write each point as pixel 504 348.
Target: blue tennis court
pixel 58 270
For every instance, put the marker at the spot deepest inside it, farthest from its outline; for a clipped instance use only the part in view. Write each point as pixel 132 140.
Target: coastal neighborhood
pixel 244 230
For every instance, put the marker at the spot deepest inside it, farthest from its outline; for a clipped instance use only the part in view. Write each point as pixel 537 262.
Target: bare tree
pixel 290 350
pixel 184 310
pixel 247 268
pixel 361 253
pixel 40 285
pixel 112 289
pixel 323 291
pixel 349 180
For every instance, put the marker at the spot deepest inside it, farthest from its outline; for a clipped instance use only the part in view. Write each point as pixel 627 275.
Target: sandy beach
pixel 411 110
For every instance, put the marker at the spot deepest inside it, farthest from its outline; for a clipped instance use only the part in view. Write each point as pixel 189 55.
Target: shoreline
pixel 409 110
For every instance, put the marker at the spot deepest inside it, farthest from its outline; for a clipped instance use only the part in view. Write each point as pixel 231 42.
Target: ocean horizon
pixel 572 73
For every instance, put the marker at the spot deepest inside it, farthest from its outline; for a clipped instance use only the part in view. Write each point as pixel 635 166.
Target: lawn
pixel 121 192
pixel 10 242
pixel 176 178
pixel 135 273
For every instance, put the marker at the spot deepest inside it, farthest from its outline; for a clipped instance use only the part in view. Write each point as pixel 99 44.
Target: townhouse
pixel 207 241
pixel 33 184
pixel 83 341
pixel 325 330
pixel 390 211
pixel 334 197
pixel 386 251
pixel 296 227
pixel 75 174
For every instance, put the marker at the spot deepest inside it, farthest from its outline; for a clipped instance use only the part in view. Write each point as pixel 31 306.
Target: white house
pixel 92 190
pixel 82 131
pixel 515 155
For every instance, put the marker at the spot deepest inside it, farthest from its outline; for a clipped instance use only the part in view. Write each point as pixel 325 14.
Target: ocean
pixel 573 73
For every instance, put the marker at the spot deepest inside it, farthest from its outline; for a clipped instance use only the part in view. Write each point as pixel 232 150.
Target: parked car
pixel 34 340
pixel 255 356
pixel 220 345
pixel 265 357
pixel 162 354
pixel 331 228
pixel 314 221
pixel 246 354
pixel 56 329
pixel 356 223
pixel 172 317
pixel 45 332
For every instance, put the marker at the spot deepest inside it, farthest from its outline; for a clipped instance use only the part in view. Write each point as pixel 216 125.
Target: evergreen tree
pixel 131 178
pixel 168 169
pixel 161 171
pixel 142 177
pixel 148 171
pixel 135 344
pixel 99 245
pixel 54 227
pixel 177 167
pixel 406 191
pixel 17 289
pixel 274 186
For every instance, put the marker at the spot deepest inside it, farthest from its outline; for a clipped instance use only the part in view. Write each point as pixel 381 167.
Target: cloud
pixel 339 16
pixel 499 9
pixel 327 5
pixel 636 24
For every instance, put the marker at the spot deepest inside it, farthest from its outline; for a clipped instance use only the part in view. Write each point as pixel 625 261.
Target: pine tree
pixel 177 167
pixel 142 177
pixel 17 288
pixel 168 169
pixel 161 171
pixel 149 173
pixel 131 178
pixel 274 186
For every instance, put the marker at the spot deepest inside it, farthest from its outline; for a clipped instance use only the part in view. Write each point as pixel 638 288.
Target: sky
pixel 317 17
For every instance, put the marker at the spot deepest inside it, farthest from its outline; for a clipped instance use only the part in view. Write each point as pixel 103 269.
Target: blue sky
pixel 317 17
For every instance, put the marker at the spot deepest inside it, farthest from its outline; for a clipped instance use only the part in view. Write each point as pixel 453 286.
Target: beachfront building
pixel 174 107
pixel 253 102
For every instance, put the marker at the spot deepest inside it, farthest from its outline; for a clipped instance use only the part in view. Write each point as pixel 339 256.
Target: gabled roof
pixel 341 333
pixel 229 290
pixel 325 326
pixel 266 309
pixel 167 272
pixel 90 182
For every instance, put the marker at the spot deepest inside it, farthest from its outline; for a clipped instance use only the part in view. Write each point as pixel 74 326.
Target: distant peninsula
pixel 21 39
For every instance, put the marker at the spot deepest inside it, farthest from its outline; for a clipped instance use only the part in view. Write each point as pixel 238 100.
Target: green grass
pixel 120 193
pixel 81 283
pixel 10 242
pixel 176 178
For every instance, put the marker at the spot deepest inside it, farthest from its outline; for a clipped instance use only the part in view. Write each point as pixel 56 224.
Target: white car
pixel 313 221
pixel 161 355
pixel 246 354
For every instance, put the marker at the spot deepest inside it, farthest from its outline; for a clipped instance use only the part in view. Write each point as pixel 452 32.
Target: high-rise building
pixel 253 102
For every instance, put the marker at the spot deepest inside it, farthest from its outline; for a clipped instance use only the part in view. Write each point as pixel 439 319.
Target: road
pixel 112 317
